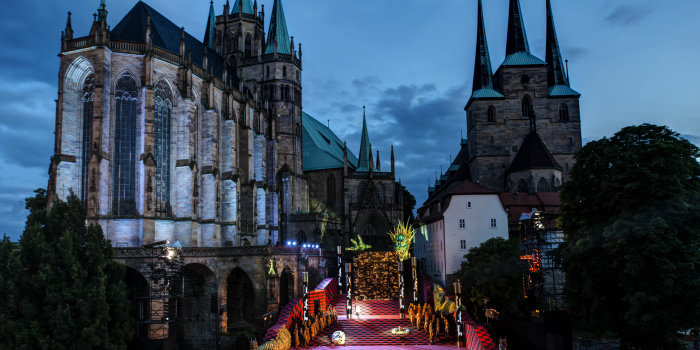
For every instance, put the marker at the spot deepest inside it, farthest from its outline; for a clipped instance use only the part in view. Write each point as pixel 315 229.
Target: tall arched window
pixel 564 112
pixel 248 46
pixel 124 164
pixel 330 190
pixel 380 192
pixel 492 114
pixel 361 189
pixel 163 107
pixel 543 185
pixel 86 151
pixel 527 107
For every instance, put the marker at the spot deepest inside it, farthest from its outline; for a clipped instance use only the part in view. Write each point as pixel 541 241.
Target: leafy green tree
pixel 409 203
pixel 631 212
pixel 493 270
pixel 72 292
pixel 10 269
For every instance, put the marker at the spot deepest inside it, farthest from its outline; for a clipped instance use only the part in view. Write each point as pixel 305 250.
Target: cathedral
pixel 166 137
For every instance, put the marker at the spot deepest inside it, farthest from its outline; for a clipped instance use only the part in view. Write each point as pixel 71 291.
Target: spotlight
pixel 289 242
pixel 294 243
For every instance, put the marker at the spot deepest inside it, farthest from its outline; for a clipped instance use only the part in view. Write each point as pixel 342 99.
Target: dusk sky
pixel 410 62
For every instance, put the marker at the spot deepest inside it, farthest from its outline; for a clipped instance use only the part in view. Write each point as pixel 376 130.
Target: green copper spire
pixel 245 4
pixel 211 27
pixel 517 37
pixel 364 162
pixel 483 75
pixel 277 32
pixel 555 68
pixel 102 11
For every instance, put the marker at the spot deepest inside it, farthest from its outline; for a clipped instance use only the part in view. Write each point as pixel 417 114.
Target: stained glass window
pixel 124 165
pixel 86 151
pixel 163 107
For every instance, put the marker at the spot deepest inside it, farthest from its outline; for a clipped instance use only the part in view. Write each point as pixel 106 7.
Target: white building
pixel 458 216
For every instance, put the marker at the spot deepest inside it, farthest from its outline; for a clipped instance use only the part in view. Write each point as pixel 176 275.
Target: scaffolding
pixel 158 310
pixel 539 239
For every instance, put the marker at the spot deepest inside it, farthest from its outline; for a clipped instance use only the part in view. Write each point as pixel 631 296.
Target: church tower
pixel 523 121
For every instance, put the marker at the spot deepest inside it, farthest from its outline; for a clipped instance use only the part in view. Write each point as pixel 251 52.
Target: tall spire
pixel 517 37
pixel 211 27
pixel 102 11
pixel 278 36
pixel 69 28
pixel 245 5
pixel 364 163
pixel 555 68
pixel 483 75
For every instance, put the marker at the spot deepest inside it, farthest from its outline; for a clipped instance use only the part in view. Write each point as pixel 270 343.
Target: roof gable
pixel 533 154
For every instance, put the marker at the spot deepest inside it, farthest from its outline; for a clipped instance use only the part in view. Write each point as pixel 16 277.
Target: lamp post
pixel 458 302
pixel 348 288
pixel 305 288
pixel 414 263
pixel 340 268
pixel 402 309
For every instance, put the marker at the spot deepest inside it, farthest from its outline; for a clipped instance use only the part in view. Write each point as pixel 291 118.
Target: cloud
pixel 573 53
pixel 626 15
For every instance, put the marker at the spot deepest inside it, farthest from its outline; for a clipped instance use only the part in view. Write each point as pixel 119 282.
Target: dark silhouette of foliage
pixel 631 212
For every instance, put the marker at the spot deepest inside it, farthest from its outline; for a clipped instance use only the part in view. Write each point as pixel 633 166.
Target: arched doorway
pixel 286 287
pixel 197 322
pixel 240 299
pixel 137 290
pixel 373 226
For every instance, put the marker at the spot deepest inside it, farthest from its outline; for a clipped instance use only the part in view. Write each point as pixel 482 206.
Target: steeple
pixel 555 68
pixel 102 11
pixel 517 38
pixel 364 163
pixel 483 75
pixel 69 28
pixel 278 36
pixel 246 5
pixel 379 166
pixel 211 27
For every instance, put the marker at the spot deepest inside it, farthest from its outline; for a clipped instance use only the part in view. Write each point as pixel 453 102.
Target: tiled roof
pixel 522 59
pixel 562 90
pixel 533 154
pixel 486 93
pixel 247 7
pixel 165 34
pixel 278 31
pixel 321 147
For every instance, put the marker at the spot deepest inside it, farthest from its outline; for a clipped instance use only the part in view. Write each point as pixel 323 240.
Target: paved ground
pixel 373 329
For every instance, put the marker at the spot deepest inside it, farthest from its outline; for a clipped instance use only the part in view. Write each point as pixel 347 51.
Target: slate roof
pixel 486 93
pixel 247 7
pixel 533 154
pixel 562 91
pixel 517 36
pixel 166 35
pixel 322 148
pixel 278 30
pixel 522 59
pixel 365 155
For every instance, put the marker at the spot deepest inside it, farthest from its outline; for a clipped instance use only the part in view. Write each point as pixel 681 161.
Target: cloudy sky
pixel 409 61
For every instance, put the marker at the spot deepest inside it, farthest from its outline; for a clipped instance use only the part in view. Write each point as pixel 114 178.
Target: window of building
pixel 124 164
pixel 492 114
pixel 330 190
pixel 564 112
pixel 439 207
pixel 163 108
pixel 86 151
pixel 514 148
pixel 469 205
pixel 527 108
pixel 571 142
pixel 462 223
pixel 543 185
pixel 248 46
pixel 267 71
pixel 463 244
pixel 493 223
pixel 284 71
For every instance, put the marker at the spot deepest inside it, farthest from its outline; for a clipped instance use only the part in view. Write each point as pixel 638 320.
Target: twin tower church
pixel 164 136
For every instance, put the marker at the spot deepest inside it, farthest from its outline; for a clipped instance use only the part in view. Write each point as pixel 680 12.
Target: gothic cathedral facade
pixel 166 137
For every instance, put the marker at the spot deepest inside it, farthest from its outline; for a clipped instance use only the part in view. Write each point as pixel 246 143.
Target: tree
pixel 409 203
pixel 72 292
pixel 493 270
pixel 631 212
